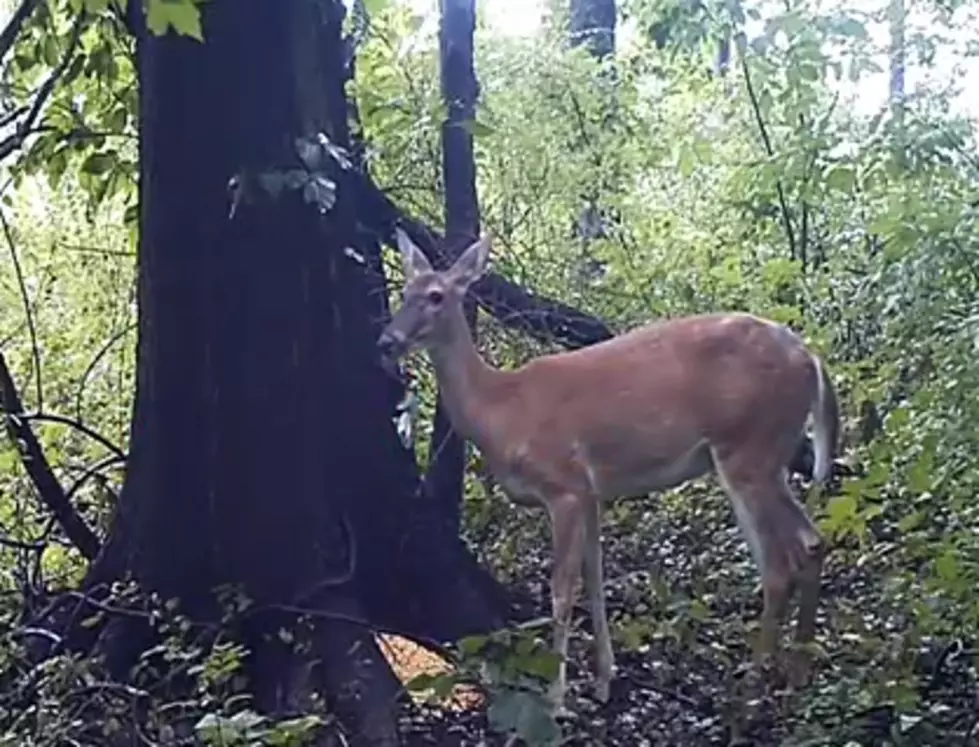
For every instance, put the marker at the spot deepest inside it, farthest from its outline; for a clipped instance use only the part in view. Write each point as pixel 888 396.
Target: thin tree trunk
pixel 897 15
pixel 447 461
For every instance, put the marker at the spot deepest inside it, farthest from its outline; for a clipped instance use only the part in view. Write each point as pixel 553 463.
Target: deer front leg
pixel 568 535
pixel 594 587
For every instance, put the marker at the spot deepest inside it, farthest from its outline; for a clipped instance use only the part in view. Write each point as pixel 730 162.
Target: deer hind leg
pixel 594 587
pixel 808 580
pixel 786 546
pixel 568 529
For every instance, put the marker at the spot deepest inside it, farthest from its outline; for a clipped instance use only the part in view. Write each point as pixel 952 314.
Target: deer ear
pixel 471 264
pixel 414 261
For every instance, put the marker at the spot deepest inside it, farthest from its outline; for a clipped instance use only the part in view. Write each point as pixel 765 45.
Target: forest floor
pixel 683 597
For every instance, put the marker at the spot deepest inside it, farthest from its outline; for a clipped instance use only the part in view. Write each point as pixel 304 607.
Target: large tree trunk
pixel 263 454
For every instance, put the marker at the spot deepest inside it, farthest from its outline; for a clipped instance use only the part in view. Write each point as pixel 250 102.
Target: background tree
pixel 447 462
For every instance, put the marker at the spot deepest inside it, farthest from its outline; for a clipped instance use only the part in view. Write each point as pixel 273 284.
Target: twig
pixel 102 352
pixel 12 30
pixel 48 417
pixel 100 465
pixel 428 643
pixel 10 116
pixel 512 305
pixel 36 464
pixel 98 250
pixel 22 545
pixel 756 109
pixel 14 141
pixel 699 705
pixel 31 328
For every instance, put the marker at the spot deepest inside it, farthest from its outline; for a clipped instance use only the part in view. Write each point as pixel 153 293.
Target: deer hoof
pixel 556 696
pixel 602 691
pixel 799 670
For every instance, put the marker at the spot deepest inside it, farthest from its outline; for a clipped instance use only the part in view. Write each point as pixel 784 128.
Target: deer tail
pixel 826 424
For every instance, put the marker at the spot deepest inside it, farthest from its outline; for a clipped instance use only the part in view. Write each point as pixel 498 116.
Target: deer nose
pixel 389 342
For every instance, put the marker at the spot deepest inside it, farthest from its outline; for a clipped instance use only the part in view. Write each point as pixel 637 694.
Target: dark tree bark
pixel 263 455
pixel 447 461
pixel 593 24
pixel 50 491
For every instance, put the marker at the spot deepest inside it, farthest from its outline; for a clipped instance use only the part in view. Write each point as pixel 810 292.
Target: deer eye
pixel 435 297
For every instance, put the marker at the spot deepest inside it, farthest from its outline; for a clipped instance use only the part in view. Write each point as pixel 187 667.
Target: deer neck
pixel 465 380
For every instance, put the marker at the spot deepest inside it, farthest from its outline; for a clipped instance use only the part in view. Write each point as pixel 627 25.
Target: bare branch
pixel 12 30
pixel 31 329
pixel 92 364
pixel 544 318
pixel 26 127
pixel 767 142
pixel 50 490
pixel 92 471
pixel 80 427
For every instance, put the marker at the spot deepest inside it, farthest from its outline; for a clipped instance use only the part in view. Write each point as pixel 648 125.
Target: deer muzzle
pixel 391 345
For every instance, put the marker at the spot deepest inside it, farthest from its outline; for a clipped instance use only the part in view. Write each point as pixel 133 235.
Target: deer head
pixel 430 299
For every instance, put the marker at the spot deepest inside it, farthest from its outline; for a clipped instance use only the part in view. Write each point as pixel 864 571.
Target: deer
pixel 650 409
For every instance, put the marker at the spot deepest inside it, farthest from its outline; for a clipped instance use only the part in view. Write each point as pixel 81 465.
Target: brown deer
pixel 644 411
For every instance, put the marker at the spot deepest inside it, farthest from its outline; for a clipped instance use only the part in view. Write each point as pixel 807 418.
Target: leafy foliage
pixel 513 668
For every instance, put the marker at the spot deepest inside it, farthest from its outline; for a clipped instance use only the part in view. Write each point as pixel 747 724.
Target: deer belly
pixel 644 474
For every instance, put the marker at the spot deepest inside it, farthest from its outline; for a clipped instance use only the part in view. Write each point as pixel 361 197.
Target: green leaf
pixel 421 682
pixel 442 686
pixel 116 121
pixel 57 165
pixel 920 474
pixel 841 512
pixel 49 50
pixel 698 611
pixel 472 645
pixel 99 163
pixel 841 178
pixel 808 72
pixel 476 128
pixel 853 28
pixel 375 7
pixel 685 161
pixel 526 713
pixel 947 566
pixel 910 521
pixel 183 15
pixel 544 663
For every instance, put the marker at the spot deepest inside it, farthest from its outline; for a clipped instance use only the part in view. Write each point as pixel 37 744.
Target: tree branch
pixel 513 306
pixel 767 142
pixel 52 494
pixel 12 30
pixel 78 426
pixel 25 298
pixel 447 460
pixel 26 127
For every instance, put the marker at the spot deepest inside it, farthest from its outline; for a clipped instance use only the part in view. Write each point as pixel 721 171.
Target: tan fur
pixel 645 411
